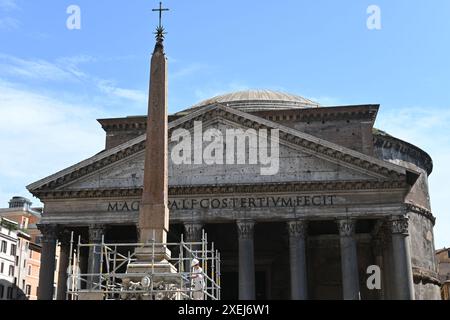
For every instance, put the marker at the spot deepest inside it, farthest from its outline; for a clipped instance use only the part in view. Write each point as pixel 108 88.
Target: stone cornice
pixel 389 142
pixel 137 123
pixel 349 113
pixel 357 112
pixel 409 207
pixel 125 126
pixel 425 276
pixel 328 150
pixel 228 189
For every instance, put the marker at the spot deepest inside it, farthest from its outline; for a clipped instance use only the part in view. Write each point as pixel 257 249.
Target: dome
pixel 259 100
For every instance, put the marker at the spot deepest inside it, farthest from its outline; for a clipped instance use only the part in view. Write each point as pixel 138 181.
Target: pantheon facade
pixel 345 197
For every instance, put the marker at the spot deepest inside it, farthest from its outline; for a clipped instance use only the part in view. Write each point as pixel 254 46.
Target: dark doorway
pixel 261 285
pixel 230 286
pixel 225 237
pixel 121 234
pixel 272 278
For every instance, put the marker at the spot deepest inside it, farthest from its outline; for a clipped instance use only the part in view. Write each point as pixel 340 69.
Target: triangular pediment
pixel 302 158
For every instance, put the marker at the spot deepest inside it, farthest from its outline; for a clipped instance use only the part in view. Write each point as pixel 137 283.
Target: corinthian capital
pixel 346 227
pixel 400 225
pixel 246 229
pixel 49 232
pixel 193 231
pixel 297 229
pixel 96 232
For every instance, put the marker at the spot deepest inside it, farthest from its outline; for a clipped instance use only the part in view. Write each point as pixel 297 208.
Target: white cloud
pixel 427 128
pixel 65 69
pixel 40 134
pixel 188 71
pixel 75 61
pixel 8 24
pixel 34 69
pixel 8 5
pixel 109 88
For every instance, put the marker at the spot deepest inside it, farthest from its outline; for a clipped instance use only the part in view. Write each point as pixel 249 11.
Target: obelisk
pixel 154 214
pixel 153 222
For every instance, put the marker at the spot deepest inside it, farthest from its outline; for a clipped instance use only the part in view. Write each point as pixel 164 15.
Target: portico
pixel 285 255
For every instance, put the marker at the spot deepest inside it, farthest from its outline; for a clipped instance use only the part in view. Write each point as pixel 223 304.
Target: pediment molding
pixel 380 169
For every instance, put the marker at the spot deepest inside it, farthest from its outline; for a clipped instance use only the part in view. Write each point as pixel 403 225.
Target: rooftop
pixel 256 100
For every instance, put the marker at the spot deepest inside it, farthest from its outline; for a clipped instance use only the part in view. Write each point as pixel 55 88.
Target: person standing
pixel 198 283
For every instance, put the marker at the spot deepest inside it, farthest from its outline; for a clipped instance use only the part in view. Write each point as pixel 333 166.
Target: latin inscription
pixel 233 203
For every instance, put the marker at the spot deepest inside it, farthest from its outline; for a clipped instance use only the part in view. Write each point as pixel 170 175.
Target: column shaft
pixel 297 248
pixel 377 250
pixel 63 267
pixel 349 260
pixel 94 262
pixel 47 268
pixel 386 267
pixel 246 260
pixel 83 264
pixel 403 278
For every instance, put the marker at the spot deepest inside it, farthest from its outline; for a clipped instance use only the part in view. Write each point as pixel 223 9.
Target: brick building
pixel 23 250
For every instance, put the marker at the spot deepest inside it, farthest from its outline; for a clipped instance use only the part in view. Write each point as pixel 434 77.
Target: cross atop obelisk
pixel 161 10
pixel 160 29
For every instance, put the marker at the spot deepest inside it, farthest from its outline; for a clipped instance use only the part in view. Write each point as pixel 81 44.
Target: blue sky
pixel 55 82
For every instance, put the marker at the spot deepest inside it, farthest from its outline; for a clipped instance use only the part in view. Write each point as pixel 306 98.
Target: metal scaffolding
pixel 112 281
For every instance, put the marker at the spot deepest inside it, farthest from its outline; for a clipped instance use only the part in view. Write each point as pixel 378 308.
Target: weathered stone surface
pixel 295 165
